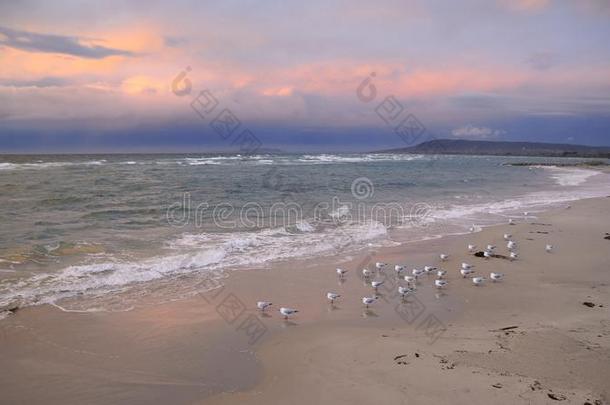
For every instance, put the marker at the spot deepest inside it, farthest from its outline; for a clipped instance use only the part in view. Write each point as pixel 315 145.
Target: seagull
pixel 466 272
pixel 526 213
pixel 507 236
pixel 376 284
pixel 496 276
pixel 488 254
pixel 491 247
pixel 511 221
pixel 341 272
pixel 472 228
pixel 417 272
pixel 262 305
pixel 368 300
pixel 403 291
pixel 398 269
pixel 429 269
pixel 466 266
pixel 441 273
pixel 410 279
pixel 440 283
pixel 549 248
pixel 380 265
pixel 287 312
pixel 513 256
pixel 444 257
pixel 478 280
pixel 472 248
pixel 366 273
pixel 332 297
pixel 511 244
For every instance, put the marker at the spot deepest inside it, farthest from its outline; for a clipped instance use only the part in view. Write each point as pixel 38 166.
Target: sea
pixel 115 232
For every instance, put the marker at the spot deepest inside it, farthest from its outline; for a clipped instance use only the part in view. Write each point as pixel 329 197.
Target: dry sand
pixel 438 347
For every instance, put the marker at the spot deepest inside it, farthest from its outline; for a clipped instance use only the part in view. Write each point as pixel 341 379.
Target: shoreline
pixel 177 333
pixel 453 219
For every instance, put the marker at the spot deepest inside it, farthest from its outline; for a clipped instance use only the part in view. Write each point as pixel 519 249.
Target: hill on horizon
pixel 503 148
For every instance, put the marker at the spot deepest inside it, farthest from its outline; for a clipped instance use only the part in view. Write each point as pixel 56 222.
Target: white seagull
pixel 410 279
pixel 341 272
pixel 466 272
pixel 380 265
pixel 404 291
pixel 478 280
pixel 332 297
pixel 496 276
pixel 513 256
pixel 491 247
pixel 507 236
pixel 467 266
pixel 472 248
pixel 398 269
pixel 441 273
pixel 429 269
pixel 366 273
pixel 440 283
pixel 488 254
pixel 511 245
pixel 444 257
pixel 376 284
pixel 287 312
pixel 511 221
pixel 368 300
pixel 417 272
pixel 472 228
pixel 549 248
pixel 262 305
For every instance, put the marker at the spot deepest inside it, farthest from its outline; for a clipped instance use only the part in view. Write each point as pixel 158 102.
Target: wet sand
pixel 439 346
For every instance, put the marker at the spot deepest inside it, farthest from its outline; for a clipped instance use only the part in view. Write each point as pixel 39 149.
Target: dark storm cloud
pixel 35 42
pixel 42 82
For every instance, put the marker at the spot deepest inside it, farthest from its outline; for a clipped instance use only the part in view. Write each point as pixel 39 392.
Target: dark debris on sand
pixel 496 256
pixel 556 397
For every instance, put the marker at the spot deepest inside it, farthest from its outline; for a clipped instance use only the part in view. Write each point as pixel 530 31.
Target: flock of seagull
pixel 466 270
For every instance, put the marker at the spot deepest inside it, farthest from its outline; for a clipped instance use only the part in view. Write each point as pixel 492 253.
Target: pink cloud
pixel 526 5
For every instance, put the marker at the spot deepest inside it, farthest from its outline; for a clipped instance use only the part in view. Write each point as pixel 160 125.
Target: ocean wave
pixel 294 159
pixel 569 176
pixel 47 165
pixel 489 212
pixel 371 157
pixel 201 254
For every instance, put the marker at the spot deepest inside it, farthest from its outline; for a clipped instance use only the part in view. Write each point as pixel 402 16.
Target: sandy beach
pixel 528 339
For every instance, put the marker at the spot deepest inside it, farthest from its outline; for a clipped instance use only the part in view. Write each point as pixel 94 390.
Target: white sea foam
pixel 489 212
pixel 304 226
pixel 569 176
pixel 47 165
pixel 188 254
pixel 372 157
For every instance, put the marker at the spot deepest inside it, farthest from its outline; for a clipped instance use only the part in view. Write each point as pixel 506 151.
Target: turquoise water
pixel 102 231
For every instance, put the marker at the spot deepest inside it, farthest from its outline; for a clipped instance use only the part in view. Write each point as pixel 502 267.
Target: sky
pixel 321 75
